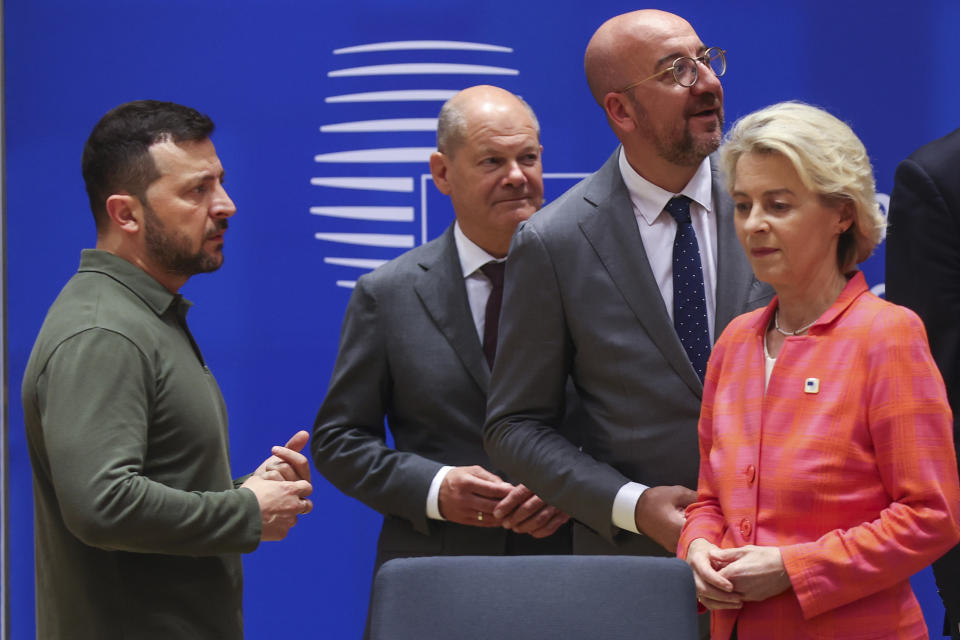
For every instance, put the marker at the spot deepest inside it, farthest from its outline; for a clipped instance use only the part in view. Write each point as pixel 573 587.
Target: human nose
pixel 707 80
pixel 515 176
pixel 222 206
pixel 754 221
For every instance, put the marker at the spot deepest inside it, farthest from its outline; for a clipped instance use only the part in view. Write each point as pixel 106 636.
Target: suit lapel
pixel 441 289
pixel 612 232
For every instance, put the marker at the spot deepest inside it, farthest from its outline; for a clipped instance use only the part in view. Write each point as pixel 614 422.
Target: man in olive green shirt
pixel 138 523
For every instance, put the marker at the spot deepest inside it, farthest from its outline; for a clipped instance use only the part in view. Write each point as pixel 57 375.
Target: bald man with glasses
pixel 623 284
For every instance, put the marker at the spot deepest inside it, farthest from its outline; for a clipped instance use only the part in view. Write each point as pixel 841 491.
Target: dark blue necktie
pixel 689 302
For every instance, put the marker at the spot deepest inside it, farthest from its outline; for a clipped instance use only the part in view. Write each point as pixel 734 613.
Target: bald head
pixel 470 104
pixel 622 50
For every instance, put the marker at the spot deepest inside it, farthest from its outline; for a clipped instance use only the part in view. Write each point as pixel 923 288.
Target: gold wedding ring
pixel 480 516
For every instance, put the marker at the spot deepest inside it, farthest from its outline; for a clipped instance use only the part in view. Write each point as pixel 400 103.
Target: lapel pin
pixel 811 385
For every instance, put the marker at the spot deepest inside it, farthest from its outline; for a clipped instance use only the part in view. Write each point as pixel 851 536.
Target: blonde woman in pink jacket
pixel 827 468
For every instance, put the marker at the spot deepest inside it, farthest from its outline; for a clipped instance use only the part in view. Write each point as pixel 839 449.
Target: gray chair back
pixel 534 598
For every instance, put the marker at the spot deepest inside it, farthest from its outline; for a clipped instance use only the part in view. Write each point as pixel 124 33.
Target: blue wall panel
pixel 268 322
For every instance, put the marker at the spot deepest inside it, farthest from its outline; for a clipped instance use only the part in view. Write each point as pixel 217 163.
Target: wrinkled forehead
pixel 502 123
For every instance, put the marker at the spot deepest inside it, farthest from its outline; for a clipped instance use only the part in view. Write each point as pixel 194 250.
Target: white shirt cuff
pixel 625 506
pixel 433 496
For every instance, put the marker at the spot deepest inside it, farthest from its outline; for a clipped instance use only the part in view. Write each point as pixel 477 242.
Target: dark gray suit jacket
pixel 409 351
pixel 923 273
pixel 580 300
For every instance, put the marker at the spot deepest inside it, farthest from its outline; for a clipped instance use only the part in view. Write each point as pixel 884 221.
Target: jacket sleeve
pixel 705 516
pixel 909 424
pixel 349 437
pixel 526 403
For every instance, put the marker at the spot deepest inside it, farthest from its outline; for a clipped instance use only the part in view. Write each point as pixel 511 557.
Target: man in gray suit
pixel 413 349
pixel 590 294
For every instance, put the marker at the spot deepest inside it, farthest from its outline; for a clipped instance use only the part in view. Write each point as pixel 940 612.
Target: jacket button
pixel 745 528
pixel 751 473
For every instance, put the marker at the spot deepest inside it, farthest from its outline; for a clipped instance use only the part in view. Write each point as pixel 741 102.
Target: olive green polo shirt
pixel 138 525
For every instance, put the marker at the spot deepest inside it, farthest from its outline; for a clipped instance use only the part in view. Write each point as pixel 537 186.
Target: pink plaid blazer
pixel 846 464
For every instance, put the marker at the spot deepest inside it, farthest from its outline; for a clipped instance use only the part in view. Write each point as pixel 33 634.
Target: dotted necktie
pixel 491 320
pixel 689 302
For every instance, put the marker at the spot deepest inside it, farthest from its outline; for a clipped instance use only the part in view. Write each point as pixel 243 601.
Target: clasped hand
pixel 281 484
pixel 726 578
pixel 474 496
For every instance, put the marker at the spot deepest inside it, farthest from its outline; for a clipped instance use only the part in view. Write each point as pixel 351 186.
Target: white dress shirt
pixel 478 287
pixel 657 231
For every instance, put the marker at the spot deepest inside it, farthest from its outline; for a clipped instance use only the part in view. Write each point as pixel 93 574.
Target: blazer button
pixel 751 473
pixel 745 528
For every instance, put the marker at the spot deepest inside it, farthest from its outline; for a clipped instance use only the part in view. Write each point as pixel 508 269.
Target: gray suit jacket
pixel 580 300
pixel 409 351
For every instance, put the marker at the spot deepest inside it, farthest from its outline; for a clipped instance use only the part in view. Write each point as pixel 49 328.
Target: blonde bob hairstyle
pixel 829 159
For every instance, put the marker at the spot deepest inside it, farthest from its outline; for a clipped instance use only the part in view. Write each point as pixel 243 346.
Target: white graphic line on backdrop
pixel 421 45
pixel 382 214
pixel 410 95
pixel 399 185
pixel 395 240
pixel 388 124
pixel 359 263
pixel 418 68
pixel 399 154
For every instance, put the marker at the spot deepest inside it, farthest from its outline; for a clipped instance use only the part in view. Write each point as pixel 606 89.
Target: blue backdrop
pixel 281 78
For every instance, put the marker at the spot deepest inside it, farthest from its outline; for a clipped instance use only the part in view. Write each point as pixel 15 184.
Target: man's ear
pixel 620 112
pixel 125 212
pixel 439 164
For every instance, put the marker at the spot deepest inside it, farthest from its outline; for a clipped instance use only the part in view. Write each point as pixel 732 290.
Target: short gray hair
pixel 452 124
pixel 829 159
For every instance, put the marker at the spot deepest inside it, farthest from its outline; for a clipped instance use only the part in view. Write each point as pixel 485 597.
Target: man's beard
pixel 685 151
pixel 171 251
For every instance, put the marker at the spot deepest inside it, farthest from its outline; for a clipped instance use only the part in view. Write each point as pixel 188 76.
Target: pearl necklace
pixel 776 325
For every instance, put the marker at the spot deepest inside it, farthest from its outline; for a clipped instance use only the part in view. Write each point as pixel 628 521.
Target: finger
pixel 555 522
pixel 469 505
pixel 474 518
pixel 516 496
pixel 710 578
pixel 302 488
pixel 713 604
pixel 272 474
pixel 723 557
pixel 493 489
pixel 297 462
pixel 529 515
pixel 298 441
pixel 306 506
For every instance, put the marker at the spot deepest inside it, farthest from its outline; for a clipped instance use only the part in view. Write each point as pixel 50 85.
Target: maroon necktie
pixel 491 321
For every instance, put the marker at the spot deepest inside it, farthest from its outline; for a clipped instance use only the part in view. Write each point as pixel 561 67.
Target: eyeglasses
pixel 686 71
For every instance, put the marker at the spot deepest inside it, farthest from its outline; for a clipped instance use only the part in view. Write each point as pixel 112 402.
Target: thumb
pixel 298 441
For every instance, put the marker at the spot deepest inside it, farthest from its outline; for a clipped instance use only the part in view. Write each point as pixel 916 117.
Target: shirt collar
pixel 472 257
pixel 649 200
pixel 144 286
